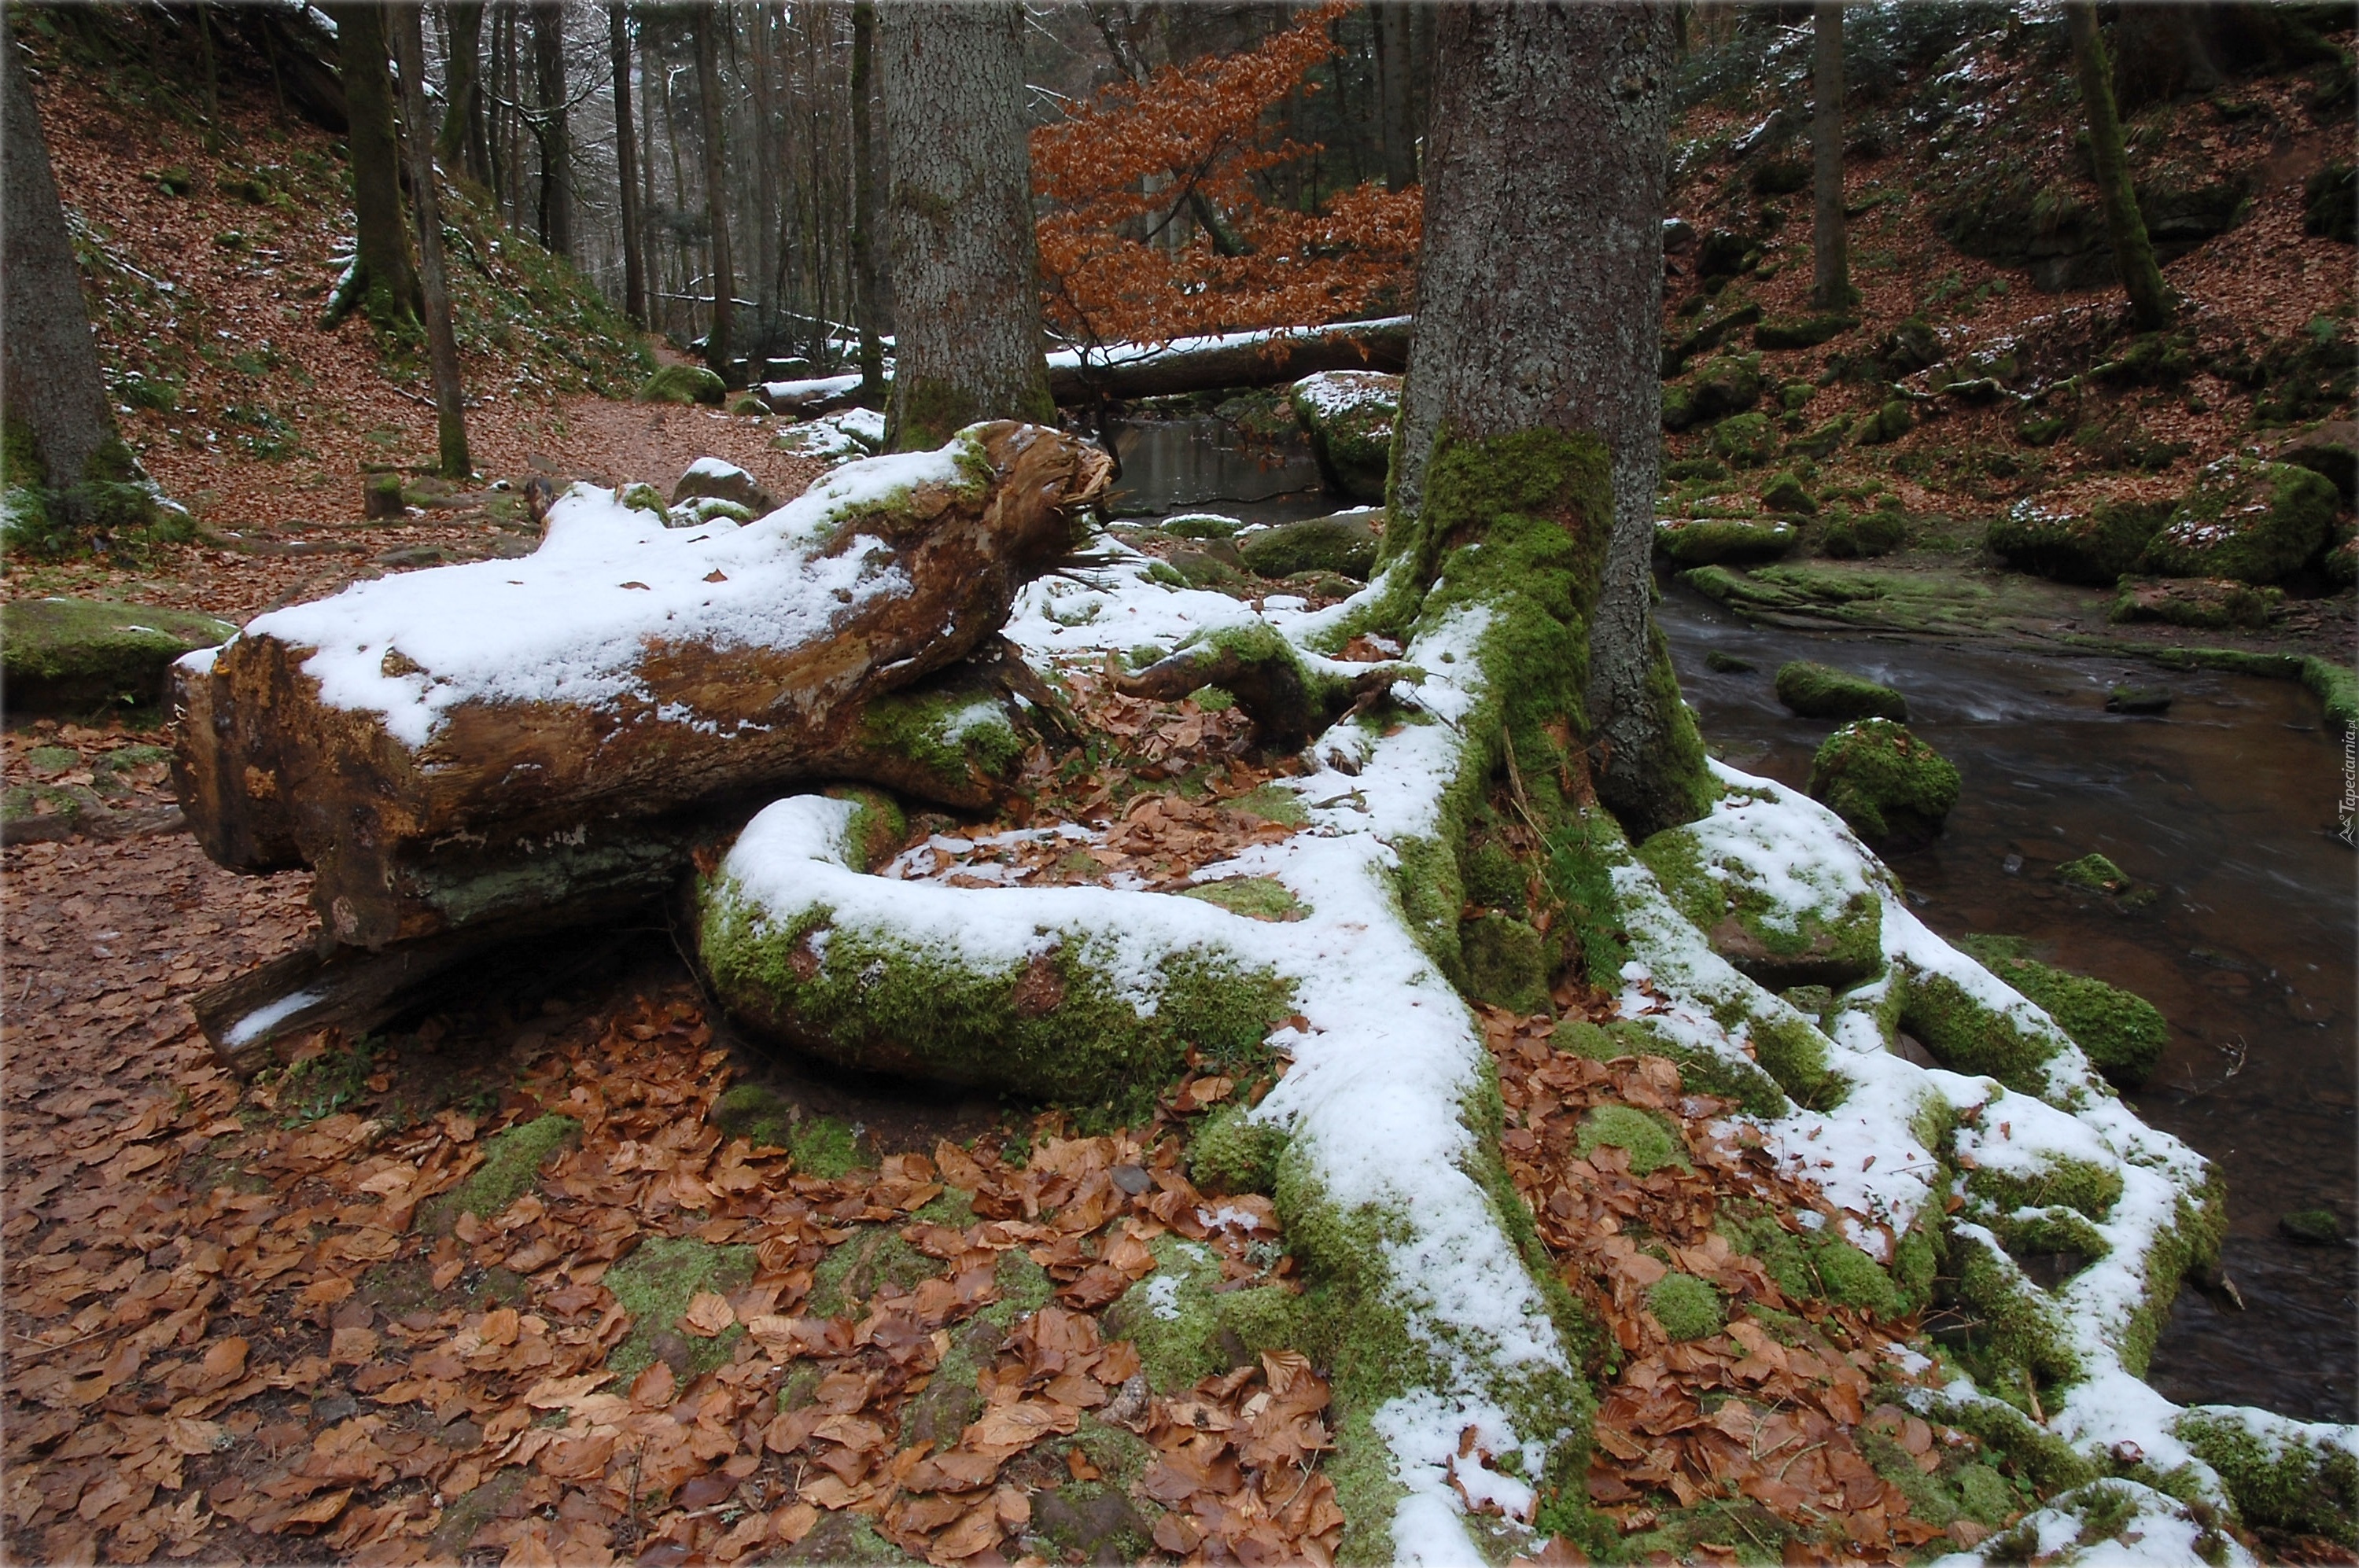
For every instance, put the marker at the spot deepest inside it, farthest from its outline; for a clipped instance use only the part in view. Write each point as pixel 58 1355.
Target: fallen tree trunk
pixel 477 746
pixel 1231 359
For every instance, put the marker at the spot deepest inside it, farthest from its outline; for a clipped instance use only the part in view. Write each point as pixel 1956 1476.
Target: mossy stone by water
pixel 1794 934
pixel 1890 787
pixel 2093 546
pixel 1821 691
pixel 1348 416
pixel 2093 873
pixel 1853 535
pixel 683 383
pixel 2312 1227
pixel 1344 544
pixel 1701 541
pixel 72 658
pixel 2205 603
pixel 2122 1034
pixel 2253 520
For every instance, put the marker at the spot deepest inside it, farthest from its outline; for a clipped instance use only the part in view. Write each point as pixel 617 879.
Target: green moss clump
pixel 1968 1037
pixel 2284 1481
pixel 644 497
pixel 2255 522
pixel 1343 544
pixel 1853 535
pixel 656 1283
pixel 1273 803
pixel 1746 440
pixel 820 1145
pixel 2080 1186
pixel 1257 898
pixel 683 383
pixel 2122 1034
pixel 74 657
pixel 960 739
pixel 1887 424
pixel 1783 493
pixel 1179 1321
pixel 1819 1265
pixel 2336 684
pixel 1694 542
pixel 2092 873
pixel 1821 691
pixel 2312 1227
pixel 1687 1307
pixel 1348 416
pixel 1494 878
pixel 512 1158
pixel 856 1269
pixel 1507 961
pixel 1650 1143
pixel 1231 1152
pixel 2094 546
pixel 1887 785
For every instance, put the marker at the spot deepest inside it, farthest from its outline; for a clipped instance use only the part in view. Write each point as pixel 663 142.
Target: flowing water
pixel 2228 803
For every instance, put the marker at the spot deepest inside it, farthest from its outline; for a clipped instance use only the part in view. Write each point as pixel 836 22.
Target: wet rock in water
pixel 2210 604
pixel 1893 789
pixel 1728 664
pixel 1704 541
pixel 75 656
pixel 2137 699
pixel 683 383
pixel 2093 873
pixel 2253 520
pixel 1348 414
pixel 1344 544
pixel 2122 1034
pixel 721 480
pixel 1821 691
pixel 2313 1227
pixel 2092 546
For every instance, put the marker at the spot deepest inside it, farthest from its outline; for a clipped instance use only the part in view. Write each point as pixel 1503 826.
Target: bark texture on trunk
pixel 59 421
pixel 626 157
pixel 1392 91
pixel 460 144
pixel 2141 275
pixel 507 806
pixel 716 189
pixel 867 266
pixel 407 24
pixel 965 264
pixel 383 286
pixel 1831 287
pixel 1539 293
pixel 554 132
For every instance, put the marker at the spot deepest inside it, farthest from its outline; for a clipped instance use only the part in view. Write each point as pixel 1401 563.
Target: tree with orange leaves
pixel 1119 173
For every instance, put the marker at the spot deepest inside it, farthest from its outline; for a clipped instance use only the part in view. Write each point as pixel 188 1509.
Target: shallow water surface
pixel 1181 465
pixel 2227 803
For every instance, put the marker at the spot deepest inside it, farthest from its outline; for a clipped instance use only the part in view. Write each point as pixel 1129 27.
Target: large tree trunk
pixel 867 282
pixel 635 277
pixel 1831 287
pixel 460 143
pixel 2141 276
pixel 966 267
pixel 59 427
pixel 475 746
pixel 1393 74
pixel 1540 296
pixel 717 187
pixel 554 132
pixel 443 346
pixel 382 286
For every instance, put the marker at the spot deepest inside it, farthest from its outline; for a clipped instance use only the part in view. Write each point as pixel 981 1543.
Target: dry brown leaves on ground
pixel 1765 1410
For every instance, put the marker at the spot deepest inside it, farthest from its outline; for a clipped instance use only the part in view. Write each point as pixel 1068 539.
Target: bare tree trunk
pixel 1399 130
pixel 2141 276
pixel 765 185
pixel 716 186
pixel 458 146
pixel 555 137
pixel 1539 300
pixel 965 262
pixel 60 430
pixel 865 268
pixel 381 285
pixel 1831 287
pixel 635 280
pixel 407 26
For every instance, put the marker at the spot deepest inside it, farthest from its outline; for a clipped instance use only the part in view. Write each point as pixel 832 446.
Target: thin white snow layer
pixel 811 388
pixel 571 621
pixel 836 438
pixel 715 468
pixel 1332 392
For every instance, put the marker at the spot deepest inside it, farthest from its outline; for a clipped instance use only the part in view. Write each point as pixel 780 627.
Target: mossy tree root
pixel 1289 695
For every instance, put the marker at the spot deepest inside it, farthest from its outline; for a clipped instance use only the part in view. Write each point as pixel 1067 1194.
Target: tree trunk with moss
pixel 966 267
pixel 716 189
pixel 60 431
pixel 381 285
pixel 2141 276
pixel 442 344
pixel 1539 292
pixel 1831 287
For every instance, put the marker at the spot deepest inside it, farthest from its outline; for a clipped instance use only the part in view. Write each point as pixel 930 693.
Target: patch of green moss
pixel 2336 684
pixel 1257 898
pixel 2122 1034
pixel 1273 804
pixel 1783 493
pixel 959 737
pixel 512 1158
pixel 2253 520
pixel 1687 1307
pixel 645 497
pixel 1650 1143
pixel 1830 936
pixel 855 1269
pixel 1746 440
pixel 1821 691
pixel 2281 1480
pixel 1889 786
pixel 683 383
pixel 2094 873
pixel 821 1146
pixel 1230 1152
pixel 1507 962
pixel 1967 1037
pixel 75 656
pixel 1887 424
pixel 655 1284
pixel 1346 545
pixel 1186 1329
pixel 1817 1265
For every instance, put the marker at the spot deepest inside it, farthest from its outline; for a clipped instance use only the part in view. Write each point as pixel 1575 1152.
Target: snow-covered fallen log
pixel 1263 357
pixel 481 743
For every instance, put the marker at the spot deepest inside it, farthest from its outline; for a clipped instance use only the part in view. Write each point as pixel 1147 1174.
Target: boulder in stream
pixel 1348 414
pixel 1704 541
pixel 1813 690
pixel 1890 787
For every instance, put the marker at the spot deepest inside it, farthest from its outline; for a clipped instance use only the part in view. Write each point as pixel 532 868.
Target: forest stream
pixel 2226 803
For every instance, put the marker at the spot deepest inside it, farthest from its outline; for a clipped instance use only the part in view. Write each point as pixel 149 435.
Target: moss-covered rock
pixel 2093 873
pixel 1799 929
pixel 641 496
pixel 2122 1034
pixel 1344 544
pixel 2209 604
pixel 1821 439
pixel 1746 440
pixel 711 478
pixel 1802 332
pixel 1231 1153
pixel 2313 1228
pixel 1702 541
pixel 1783 493
pixel 2286 1480
pixel 75 656
pixel 2253 520
pixel 1856 535
pixel 2092 546
pixel 683 383
pixel 1348 414
pixel 1821 691
pixel 1887 424
pixel 1507 962
pixel 1891 788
